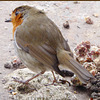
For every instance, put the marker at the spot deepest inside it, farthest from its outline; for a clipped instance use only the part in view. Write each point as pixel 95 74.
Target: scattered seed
pixel 14 93
pixel 75 92
pixel 88 20
pixel 95 15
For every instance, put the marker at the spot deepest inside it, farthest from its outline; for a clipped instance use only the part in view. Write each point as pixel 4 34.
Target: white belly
pixel 29 61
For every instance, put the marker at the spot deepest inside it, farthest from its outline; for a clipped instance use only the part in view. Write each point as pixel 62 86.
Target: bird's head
pixel 17 16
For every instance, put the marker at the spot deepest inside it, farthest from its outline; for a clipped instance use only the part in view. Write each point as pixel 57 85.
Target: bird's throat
pixel 16 22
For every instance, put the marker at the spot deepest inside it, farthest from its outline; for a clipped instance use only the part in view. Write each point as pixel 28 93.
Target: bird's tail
pixel 65 59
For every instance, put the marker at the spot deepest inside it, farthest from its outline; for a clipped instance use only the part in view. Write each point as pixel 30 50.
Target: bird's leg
pixel 55 80
pixel 27 81
pixel 60 81
pixel 66 73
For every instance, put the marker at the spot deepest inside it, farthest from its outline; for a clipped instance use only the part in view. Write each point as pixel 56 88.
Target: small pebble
pixel 66 25
pixel 11 39
pixel 9 51
pixel 78 27
pixel 4 81
pixel 7 65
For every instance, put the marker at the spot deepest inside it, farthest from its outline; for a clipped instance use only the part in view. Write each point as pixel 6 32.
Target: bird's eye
pixel 16 13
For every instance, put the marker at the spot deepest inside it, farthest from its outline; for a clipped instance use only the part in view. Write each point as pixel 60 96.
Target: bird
pixel 41 46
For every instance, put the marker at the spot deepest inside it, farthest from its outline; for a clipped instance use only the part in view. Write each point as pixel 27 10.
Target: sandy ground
pixel 59 12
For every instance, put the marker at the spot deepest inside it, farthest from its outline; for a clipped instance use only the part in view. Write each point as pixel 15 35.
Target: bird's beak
pixel 8 20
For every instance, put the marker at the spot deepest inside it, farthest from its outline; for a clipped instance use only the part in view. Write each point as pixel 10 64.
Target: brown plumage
pixel 40 44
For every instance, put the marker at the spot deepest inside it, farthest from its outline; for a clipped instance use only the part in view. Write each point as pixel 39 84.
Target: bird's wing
pixel 43 53
pixel 40 37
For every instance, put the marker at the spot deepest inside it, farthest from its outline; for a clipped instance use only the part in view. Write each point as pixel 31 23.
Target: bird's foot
pixel 20 81
pixel 64 82
pixel 53 83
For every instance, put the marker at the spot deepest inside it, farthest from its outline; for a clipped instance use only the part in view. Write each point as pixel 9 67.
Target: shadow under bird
pixel 41 46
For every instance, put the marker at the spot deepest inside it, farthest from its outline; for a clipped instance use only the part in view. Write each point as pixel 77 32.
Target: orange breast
pixel 16 21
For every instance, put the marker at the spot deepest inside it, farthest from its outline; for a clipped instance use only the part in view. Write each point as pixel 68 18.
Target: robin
pixel 41 46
